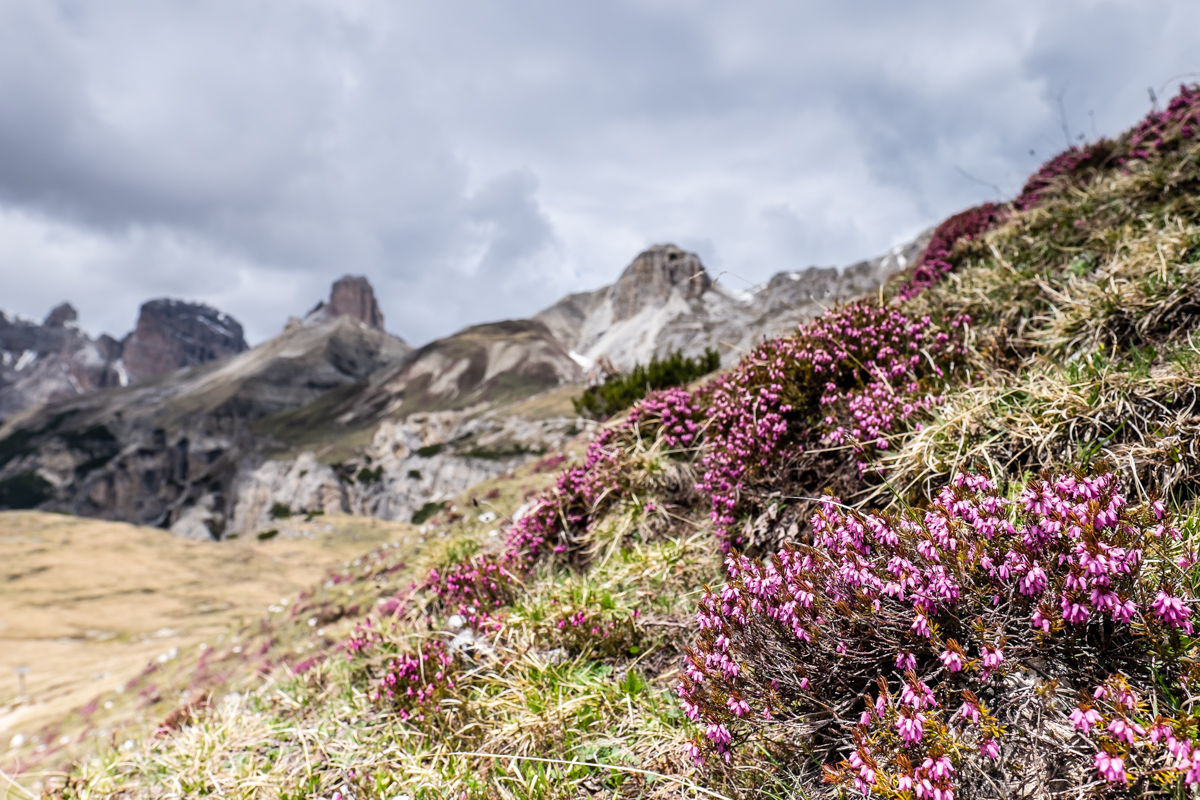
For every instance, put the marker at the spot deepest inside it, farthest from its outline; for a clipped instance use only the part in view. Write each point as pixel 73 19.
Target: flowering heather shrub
pixel 675 411
pixel 1158 132
pixel 1067 163
pixel 602 631
pixel 936 261
pixel 960 649
pixel 415 684
pixel 855 376
pixel 556 526
pixel 1161 130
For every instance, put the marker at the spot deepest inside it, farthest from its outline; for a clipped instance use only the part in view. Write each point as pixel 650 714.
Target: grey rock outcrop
pixel 173 334
pixel 56 360
pixel 166 452
pixel 350 296
pixel 52 361
pixel 654 276
pixel 665 301
pixel 429 456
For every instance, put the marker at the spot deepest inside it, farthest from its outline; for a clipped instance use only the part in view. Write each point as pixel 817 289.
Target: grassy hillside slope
pixel 706 606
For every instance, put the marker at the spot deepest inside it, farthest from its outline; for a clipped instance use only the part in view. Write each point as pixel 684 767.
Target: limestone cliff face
pixel 56 360
pixel 166 452
pixel 51 361
pixel 496 363
pixel 173 334
pixel 665 301
pixel 351 296
pixel 425 457
pixel 654 276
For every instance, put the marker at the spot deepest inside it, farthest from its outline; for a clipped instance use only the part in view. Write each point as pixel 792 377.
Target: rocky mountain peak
pixel 172 334
pixel 60 315
pixel 351 296
pixel 653 275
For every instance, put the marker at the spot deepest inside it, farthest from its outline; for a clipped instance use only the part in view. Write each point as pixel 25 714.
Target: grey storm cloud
pixel 478 160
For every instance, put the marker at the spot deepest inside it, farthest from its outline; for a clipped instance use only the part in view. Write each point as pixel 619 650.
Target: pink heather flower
pixel 1172 611
pixel 988 748
pixel 952 661
pixel 693 751
pixel 917 695
pixel 1124 611
pixel 719 735
pixel 939 769
pixel 992 658
pixel 1193 774
pixel 1033 582
pixel 1084 719
pixel 911 727
pixel 1111 768
pixel 1121 730
pixel 1075 613
pixel 865 772
pixel 970 711
pixel 920 626
pixel 739 707
pixel 906 661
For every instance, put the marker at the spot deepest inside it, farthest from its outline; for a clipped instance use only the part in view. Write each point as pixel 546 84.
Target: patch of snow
pixel 27 358
pixel 582 360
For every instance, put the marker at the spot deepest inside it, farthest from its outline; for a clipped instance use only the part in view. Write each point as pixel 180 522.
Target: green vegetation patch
pixel 619 392
pixel 422 514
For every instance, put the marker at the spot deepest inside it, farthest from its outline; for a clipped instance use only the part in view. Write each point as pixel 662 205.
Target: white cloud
pixel 478 160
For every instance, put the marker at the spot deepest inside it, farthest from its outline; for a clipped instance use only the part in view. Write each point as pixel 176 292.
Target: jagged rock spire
pixel 653 275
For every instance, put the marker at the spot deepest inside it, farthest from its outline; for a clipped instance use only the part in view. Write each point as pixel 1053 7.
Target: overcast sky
pixel 477 160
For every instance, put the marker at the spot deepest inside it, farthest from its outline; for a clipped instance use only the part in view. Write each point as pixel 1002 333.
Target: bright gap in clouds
pixel 478 161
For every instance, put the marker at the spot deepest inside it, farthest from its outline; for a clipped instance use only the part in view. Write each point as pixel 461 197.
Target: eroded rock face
pixel 52 361
pixel 166 452
pixel 351 296
pixel 654 275
pixel 172 334
pixel 426 457
pixel 665 302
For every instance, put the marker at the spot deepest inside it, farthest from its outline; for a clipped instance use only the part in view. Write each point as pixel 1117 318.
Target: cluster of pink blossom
pixel 857 375
pixel 1132 739
pixel 477 587
pixel 605 632
pixel 930 606
pixel 673 410
pixel 935 262
pixel 1159 131
pixel 415 683
pixel 362 638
